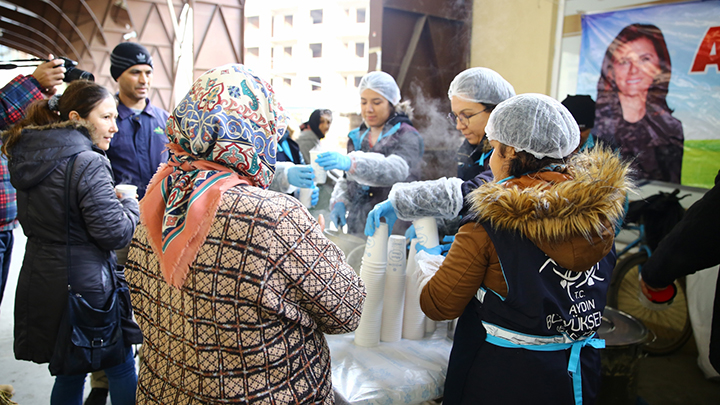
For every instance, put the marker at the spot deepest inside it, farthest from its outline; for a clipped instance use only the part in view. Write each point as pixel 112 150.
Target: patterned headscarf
pixel 223 133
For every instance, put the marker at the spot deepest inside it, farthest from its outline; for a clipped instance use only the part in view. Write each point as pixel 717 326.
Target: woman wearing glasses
pixel 473 94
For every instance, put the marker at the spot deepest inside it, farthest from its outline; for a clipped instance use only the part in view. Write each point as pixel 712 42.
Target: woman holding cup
pixel 384 150
pixel 528 275
pixel 79 125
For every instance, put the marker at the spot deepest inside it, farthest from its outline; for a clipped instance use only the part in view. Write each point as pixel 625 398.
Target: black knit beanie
pixel 582 108
pixel 128 54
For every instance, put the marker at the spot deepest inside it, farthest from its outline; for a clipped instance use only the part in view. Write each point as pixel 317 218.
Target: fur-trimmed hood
pixel 42 148
pixel 579 206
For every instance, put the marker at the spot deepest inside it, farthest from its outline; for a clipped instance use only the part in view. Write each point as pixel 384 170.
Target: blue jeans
pixel 6 246
pixel 68 389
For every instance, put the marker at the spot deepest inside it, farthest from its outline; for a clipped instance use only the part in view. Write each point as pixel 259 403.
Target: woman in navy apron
pixel 528 272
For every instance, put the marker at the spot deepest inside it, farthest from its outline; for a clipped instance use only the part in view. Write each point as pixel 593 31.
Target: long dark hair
pixel 607 88
pixel 81 96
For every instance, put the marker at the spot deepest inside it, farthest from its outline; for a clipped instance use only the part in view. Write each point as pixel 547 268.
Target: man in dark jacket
pixel 692 245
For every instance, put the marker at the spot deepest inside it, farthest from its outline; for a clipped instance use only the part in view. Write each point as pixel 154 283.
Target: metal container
pixel 351 245
pixel 624 339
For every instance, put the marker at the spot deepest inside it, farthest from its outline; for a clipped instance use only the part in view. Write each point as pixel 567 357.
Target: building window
pixel 316 50
pixel 288 50
pixel 316 16
pixel 360 49
pixel 316 83
pixel 287 82
pixel 253 21
pixel 255 51
pixel 360 15
pixel 288 21
pixel 357 81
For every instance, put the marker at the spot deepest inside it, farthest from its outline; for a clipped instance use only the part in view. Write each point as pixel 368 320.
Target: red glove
pixel 663 295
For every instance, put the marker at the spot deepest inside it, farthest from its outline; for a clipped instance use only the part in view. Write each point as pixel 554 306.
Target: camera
pixel 73 73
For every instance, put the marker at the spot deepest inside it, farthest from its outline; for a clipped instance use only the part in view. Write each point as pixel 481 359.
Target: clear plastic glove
pixel 315 196
pixel 426 267
pixel 301 176
pixel 439 249
pixel 381 210
pixel 337 215
pixel 334 160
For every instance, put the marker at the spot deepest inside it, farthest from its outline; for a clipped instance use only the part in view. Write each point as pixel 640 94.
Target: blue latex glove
pixel 334 160
pixel 301 176
pixel 410 234
pixel 439 249
pixel 315 196
pixel 381 210
pixel 337 215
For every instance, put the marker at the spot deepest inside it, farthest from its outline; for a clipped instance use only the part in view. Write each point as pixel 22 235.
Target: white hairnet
pixel 481 85
pixel 382 83
pixel 536 124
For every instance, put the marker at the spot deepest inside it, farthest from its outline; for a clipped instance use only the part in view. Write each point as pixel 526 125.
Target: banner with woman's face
pixel 654 73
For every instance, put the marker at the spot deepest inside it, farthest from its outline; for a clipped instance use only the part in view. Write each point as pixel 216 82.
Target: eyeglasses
pixel 462 118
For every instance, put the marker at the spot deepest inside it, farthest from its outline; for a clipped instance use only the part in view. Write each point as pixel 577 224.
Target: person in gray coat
pixel 79 123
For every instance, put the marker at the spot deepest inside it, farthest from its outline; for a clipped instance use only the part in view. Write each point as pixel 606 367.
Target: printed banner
pixel 654 74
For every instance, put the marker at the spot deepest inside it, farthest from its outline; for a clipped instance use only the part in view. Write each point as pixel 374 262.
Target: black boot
pixel 98 396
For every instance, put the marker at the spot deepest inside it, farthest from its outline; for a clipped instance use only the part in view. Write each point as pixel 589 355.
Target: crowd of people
pixel 220 270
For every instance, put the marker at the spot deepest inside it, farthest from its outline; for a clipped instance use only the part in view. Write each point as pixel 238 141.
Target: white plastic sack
pixel 701 295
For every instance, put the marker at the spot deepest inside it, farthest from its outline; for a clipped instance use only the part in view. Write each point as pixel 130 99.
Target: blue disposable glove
pixel 439 249
pixel 337 215
pixel 301 176
pixel 381 210
pixel 315 196
pixel 410 233
pixel 334 160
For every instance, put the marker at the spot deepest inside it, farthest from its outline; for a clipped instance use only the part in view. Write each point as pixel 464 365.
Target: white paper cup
pixel 320 174
pixel 376 245
pixel 306 197
pixel 426 231
pixel 126 190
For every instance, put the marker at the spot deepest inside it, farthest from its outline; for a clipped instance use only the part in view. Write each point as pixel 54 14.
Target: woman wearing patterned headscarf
pixel 234 285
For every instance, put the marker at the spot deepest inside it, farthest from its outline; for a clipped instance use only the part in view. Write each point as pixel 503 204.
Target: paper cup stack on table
pixel 414 320
pixel 126 190
pixel 394 298
pixel 372 272
pixel 320 175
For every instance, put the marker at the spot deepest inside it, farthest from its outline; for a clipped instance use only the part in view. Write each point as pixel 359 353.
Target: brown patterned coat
pixel 247 326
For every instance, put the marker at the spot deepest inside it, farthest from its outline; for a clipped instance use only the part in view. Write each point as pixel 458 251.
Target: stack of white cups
pixel 394 299
pixel 414 320
pixel 372 272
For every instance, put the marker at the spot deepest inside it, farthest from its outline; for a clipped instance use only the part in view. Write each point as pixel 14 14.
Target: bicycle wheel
pixel 670 323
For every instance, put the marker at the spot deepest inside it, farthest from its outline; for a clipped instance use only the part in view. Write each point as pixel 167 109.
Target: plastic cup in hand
pixel 376 245
pixel 426 231
pixel 320 174
pixel 126 190
pixel 306 197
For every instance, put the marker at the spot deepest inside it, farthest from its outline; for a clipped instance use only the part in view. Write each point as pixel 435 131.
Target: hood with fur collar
pixel 568 213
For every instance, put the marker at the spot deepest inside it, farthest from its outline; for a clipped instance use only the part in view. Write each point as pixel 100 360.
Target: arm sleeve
pixel 457 280
pixel 110 222
pixel 693 243
pixel 339 193
pixel 433 198
pixel 15 97
pixel 321 284
pixel 280 181
pixel 375 170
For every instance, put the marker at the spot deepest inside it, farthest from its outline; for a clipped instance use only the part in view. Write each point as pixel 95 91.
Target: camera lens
pixel 75 74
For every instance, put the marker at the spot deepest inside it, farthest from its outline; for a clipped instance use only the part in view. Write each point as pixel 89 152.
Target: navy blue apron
pixel 536 345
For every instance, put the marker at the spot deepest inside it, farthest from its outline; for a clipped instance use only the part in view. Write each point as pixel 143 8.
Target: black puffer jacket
pixel 99 224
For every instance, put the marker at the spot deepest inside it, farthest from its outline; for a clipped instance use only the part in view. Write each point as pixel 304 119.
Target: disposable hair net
pixel 382 83
pixel 481 85
pixel 376 170
pixel 441 198
pixel 536 124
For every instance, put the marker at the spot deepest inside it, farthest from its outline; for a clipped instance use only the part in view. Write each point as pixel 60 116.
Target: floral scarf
pixel 223 133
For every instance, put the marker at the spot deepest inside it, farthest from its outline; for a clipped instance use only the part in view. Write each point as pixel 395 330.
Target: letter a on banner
pixel 708 52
